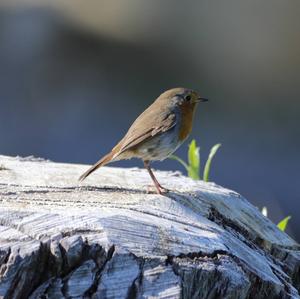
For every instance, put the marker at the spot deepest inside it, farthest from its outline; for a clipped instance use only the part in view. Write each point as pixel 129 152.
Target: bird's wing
pixel 148 124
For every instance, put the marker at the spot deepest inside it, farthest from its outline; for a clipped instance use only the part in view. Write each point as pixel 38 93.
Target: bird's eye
pixel 188 97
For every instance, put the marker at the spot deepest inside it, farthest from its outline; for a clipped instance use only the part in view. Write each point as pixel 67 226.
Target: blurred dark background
pixel 75 74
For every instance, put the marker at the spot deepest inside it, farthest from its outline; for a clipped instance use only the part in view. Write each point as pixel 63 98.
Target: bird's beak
pixel 202 100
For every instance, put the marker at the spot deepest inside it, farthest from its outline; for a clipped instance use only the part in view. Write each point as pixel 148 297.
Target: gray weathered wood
pixel 108 238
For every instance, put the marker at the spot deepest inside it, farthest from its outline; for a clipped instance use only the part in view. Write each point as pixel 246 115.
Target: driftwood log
pixel 108 238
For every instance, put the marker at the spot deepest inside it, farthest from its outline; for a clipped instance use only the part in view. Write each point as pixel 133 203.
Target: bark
pixel 108 238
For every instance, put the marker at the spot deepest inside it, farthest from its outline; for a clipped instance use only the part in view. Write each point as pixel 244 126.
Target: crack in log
pixel 195 255
pixel 20 193
pixel 93 288
pixel 23 186
pixel 110 189
pixel 296 279
pixel 58 189
pixel 137 282
pixel 224 222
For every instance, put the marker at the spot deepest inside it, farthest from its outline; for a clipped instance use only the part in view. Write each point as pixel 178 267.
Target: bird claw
pixel 159 190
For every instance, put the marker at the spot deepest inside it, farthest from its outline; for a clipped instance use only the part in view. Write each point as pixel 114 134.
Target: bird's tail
pixel 104 160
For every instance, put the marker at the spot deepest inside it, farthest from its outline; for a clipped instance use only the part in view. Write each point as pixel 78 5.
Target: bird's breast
pixel 186 123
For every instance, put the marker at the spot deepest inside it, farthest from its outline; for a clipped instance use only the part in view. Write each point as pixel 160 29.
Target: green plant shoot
pixel 283 223
pixel 193 166
pixel 194 161
pixel 212 153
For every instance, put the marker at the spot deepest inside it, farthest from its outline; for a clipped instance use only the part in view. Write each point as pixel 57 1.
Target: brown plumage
pixel 157 132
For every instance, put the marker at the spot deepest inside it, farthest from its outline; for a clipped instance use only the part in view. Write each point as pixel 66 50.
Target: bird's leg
pixel 157 185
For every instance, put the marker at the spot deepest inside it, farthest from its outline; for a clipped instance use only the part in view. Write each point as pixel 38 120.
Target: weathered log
pixel 108 238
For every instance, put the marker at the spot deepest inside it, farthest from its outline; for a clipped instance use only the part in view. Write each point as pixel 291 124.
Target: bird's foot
pixel 157 189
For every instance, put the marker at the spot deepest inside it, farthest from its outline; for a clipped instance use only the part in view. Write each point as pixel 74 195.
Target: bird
pixel 157 132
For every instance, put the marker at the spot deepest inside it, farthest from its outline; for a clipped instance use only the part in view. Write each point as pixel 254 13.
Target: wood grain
pixel 108 238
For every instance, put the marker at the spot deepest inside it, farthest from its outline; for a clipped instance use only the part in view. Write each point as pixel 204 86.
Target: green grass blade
pixel 192 173
pixel 194 161
pixel 180 161
pixel 212 153
pixel 283 223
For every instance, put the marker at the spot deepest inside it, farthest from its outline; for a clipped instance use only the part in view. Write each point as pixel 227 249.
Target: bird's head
pixel 182 97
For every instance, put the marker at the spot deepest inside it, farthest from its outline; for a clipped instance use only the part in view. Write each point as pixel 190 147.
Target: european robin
pixel 157 132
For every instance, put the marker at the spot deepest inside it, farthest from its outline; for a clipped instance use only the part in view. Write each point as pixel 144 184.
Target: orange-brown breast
pixel 187 113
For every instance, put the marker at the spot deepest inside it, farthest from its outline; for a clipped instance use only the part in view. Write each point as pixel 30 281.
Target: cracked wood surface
pixel 108 238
